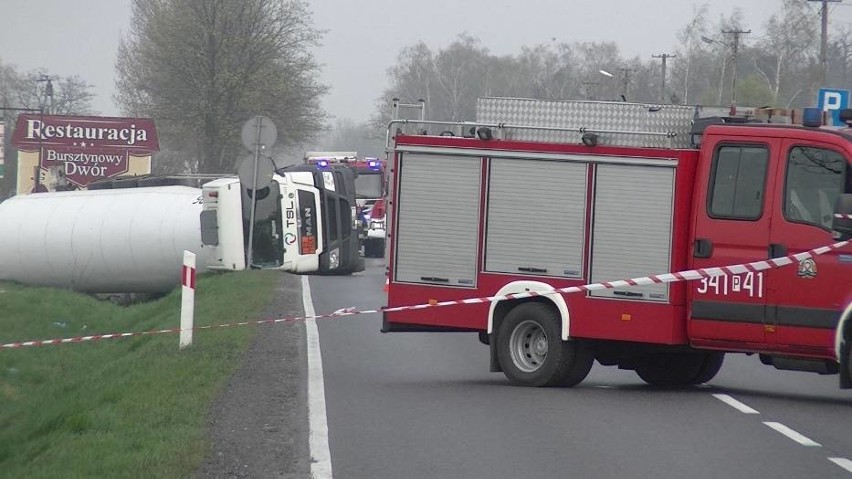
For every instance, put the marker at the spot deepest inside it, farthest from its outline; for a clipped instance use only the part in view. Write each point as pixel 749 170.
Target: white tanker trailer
pixel 129 235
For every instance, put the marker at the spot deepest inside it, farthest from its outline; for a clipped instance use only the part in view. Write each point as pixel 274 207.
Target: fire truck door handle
pixel 433 279
pixel 703 248
pixel 777 250
pixel 629 294
pixel 531 269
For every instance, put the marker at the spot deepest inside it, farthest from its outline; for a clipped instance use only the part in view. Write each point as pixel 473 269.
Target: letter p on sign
pixel 833 101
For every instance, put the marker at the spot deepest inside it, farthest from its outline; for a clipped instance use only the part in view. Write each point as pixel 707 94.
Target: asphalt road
pixel 423 405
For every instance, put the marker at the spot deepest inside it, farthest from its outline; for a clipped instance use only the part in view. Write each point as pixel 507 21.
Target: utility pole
pixel 823 45
pixel 734 48
pixel 625 72
pixel 663 57
pixel 48 92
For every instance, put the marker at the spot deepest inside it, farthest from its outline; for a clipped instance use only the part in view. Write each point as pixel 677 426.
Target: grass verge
pixel 120 407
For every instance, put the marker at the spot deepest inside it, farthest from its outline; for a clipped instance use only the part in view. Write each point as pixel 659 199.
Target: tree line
pixel 779 68
pixel 201 69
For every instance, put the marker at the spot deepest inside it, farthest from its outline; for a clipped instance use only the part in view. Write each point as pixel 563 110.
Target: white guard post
pixel 187 303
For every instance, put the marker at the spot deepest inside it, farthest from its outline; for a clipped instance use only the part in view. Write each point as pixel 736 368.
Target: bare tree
pixel 202 68
pixel 460 75
pixel 790 39
pixel 691 70
pixel 70 96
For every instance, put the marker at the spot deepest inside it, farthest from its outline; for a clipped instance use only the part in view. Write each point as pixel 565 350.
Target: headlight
pixel 334 258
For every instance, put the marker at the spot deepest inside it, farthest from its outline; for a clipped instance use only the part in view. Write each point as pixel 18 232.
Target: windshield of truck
pixel 267 244
pixel 368 185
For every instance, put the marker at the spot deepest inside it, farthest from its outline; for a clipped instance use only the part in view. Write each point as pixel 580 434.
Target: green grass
pixel 132 407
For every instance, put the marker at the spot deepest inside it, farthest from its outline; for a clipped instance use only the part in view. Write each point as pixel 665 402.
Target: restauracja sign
pixel 85 148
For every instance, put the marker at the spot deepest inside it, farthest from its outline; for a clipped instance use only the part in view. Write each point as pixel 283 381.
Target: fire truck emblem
pixel 807 268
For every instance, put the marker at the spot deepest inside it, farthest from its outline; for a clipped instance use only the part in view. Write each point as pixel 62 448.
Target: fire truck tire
pixel 712 364
pixel 849 359
pixel 531 351
pixel 673 369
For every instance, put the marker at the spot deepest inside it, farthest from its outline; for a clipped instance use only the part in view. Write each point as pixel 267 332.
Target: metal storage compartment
pixel 535 220
pixel 437 216
pixel 632 226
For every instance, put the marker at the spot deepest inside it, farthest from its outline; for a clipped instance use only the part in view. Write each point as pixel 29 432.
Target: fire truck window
pixel 815 177
pixel 737 182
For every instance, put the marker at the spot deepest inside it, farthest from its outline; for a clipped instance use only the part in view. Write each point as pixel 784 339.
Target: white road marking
pixel 735 404
pixel 842 462
pixel 801 439
pixel 318 435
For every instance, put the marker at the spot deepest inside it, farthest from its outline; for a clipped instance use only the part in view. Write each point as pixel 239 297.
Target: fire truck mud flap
pixel 531 352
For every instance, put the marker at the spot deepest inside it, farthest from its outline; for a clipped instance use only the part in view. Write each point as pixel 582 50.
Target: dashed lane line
pixel 842 462
pixel 735 404
pixel 798 437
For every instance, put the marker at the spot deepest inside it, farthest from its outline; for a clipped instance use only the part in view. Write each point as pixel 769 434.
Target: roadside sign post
pixel 258 134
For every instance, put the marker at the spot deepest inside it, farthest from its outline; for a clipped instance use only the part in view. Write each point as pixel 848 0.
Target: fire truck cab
pixel 489 218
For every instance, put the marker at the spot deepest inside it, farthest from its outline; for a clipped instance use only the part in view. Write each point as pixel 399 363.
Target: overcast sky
pixel 364 37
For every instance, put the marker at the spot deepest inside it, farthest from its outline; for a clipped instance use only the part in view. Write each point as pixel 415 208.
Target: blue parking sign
pixel 833 100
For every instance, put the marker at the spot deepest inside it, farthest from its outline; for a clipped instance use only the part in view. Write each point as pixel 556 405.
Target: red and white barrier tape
pixel 842 217
pixel 689 275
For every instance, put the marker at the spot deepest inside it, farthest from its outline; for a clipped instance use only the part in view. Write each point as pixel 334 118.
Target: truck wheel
pixel 849 358
pixel 710 368
pixel 369 247
pixel 672 369
pixel 374 248
pixel 532 353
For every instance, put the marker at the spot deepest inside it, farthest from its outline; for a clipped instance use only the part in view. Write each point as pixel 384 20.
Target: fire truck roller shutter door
pixel 437 234
pixel 549 242
pixel 632 229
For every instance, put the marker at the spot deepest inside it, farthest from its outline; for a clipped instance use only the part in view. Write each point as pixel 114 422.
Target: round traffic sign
pixel 259 133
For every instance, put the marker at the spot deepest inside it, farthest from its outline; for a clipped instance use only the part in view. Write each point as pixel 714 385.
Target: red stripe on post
pixel 188 276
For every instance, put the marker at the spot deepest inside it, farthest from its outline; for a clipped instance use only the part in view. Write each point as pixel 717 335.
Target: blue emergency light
pixel 812 117
pixel 322 163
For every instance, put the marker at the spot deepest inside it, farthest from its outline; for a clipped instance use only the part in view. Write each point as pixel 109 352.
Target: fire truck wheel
pixel 672 369
pixel 849 359
pixel 712 364
pixel 532 353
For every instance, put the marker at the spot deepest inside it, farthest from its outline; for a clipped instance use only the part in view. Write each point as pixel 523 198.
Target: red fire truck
pixel 370 186
pixel 541 195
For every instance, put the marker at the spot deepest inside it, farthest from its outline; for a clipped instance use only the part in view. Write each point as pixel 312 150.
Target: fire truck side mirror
pixel 842 223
